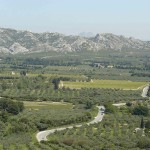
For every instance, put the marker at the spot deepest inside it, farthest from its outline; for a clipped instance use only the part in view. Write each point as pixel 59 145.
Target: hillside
pixel 17 41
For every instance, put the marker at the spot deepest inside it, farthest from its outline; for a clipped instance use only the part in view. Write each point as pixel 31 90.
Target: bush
pixel 109 108
pixel 129 104
pixel 88 105
pixel 11 106
pixel 68 142
pixel 147 124
pixel 140 110
pixel 42 126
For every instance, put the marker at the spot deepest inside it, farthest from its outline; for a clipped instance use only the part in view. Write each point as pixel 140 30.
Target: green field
pixel 47 105
pixel 113 84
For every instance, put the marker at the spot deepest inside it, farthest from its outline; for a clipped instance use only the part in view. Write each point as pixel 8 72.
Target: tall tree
pixel 142 125
pixel 56 82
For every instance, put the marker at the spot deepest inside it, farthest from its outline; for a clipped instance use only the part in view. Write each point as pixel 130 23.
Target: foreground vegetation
pixel 116 131
pixel 39 93
pixel 38 116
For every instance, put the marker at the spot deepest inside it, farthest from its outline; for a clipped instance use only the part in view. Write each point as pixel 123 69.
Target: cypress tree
pixel 142 123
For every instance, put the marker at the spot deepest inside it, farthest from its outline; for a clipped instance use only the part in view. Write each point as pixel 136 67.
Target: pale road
pixel 119 104
pixel 42 136
pixel 145 91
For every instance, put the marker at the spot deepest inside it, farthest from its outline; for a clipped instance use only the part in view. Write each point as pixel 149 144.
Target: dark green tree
pixel 142 123
pixel 109 108
pixel 13 108
pixel 141 110
pixel 129 104
pixel 23 73
pixel 56 82
pixel 42 126
pixel 88 105
pixel 147 124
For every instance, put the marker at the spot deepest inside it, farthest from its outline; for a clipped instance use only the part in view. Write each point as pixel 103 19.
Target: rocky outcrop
pixel 14 41
pixel 111 41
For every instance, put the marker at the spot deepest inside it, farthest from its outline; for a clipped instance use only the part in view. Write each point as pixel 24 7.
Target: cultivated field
pixel 47 105
pixel 118 84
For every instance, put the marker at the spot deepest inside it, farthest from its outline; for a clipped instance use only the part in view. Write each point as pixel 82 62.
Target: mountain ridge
pixel 21 41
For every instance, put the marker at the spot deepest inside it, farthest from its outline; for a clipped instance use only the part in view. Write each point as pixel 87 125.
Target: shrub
pixel 129 104
pixel 109 108
pixel 68 141
pixel 147 124
pixel 11 106
pixel 140 110
pixel 42 126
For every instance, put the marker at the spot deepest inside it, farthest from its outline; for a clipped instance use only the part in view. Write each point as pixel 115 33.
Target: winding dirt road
pixel 42 136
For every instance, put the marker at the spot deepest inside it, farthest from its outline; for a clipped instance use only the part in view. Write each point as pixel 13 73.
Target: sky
pixel 121 17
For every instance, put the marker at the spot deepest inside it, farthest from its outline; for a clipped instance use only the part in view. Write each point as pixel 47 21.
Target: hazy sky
pixel 127 17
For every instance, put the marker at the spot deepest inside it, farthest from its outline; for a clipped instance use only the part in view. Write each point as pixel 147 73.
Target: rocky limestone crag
pixel 16 41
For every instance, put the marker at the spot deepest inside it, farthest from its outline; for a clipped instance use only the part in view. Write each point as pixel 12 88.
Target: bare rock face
pixel 4 50
pixel 15 41
pixel 17 48
pixel 110 41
